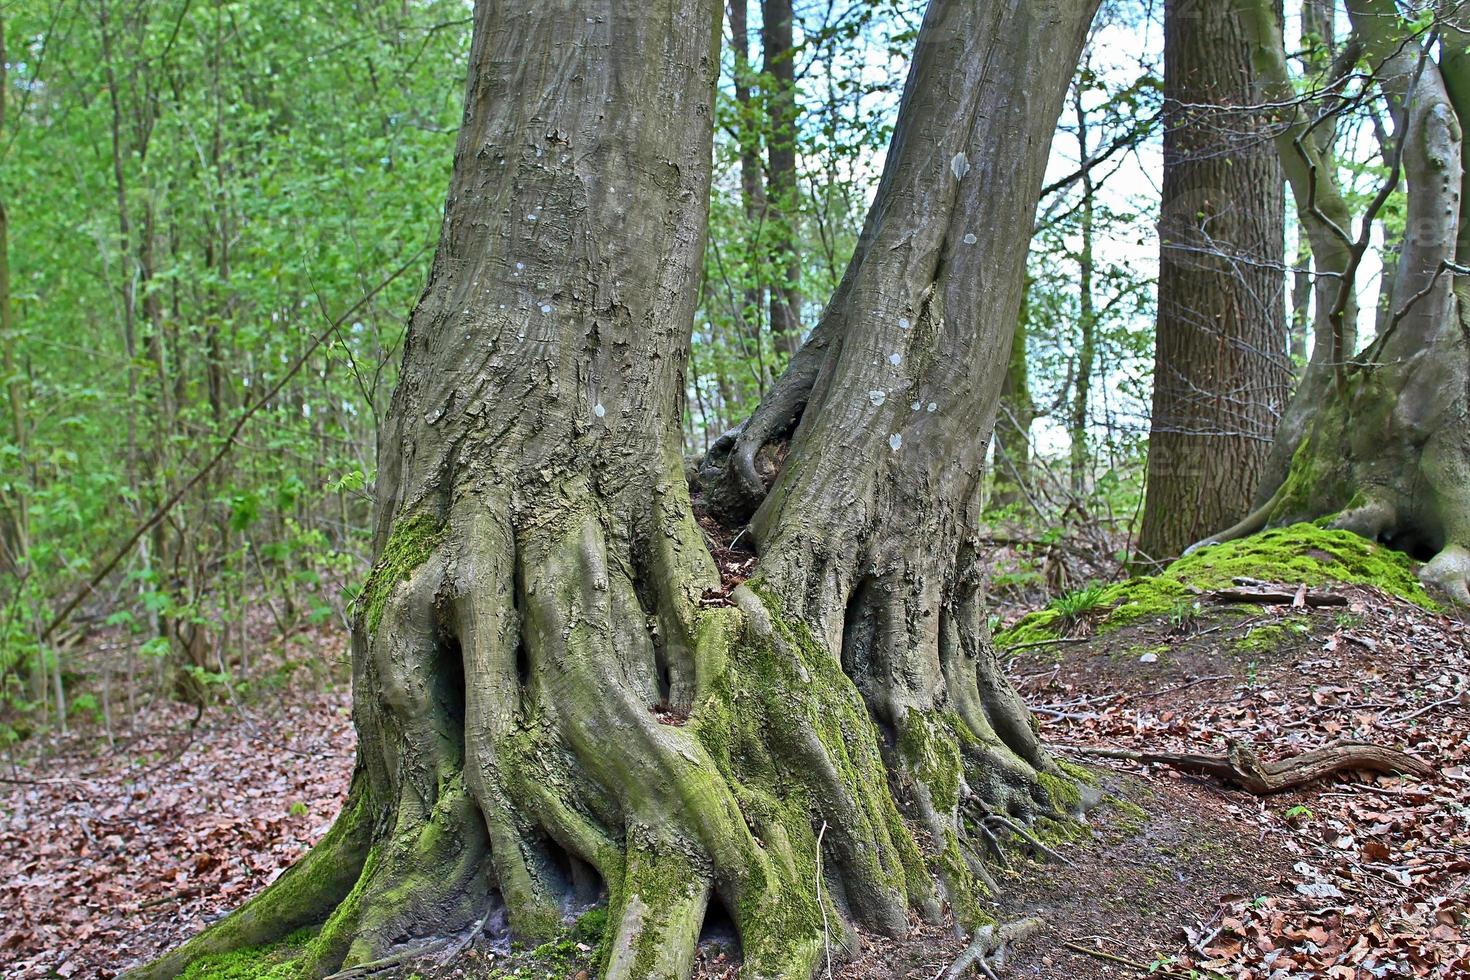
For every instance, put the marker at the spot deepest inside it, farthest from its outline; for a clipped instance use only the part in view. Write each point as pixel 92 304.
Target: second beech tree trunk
pixel 556 703
pixel 1221 372
pixel 1377 441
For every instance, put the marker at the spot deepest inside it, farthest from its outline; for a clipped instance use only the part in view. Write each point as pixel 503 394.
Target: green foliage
pixel 274 163
pixel 1073 606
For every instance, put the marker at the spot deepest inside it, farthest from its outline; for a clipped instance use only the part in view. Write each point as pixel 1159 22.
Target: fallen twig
pixel 991 941
pixel 1242 767
pixel 826 932
pixel 1153 969
pixel 1297 598
pixel 1458 698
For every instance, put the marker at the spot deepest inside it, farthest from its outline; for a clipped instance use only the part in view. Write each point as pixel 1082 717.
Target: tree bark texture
pixel 1383 445
pixel 1221 374
pixel 552 710
pixel 783 199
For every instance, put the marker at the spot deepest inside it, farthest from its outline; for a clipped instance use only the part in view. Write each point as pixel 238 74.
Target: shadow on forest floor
pixel 110 856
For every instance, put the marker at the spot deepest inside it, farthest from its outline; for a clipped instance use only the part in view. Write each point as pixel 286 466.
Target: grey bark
pixel 552 691
pixel 1384 441
pixel 1220 370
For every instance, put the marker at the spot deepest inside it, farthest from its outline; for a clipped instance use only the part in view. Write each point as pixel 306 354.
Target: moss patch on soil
pixel 1301 554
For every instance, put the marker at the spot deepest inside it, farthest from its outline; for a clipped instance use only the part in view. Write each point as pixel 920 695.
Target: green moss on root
pixel 772 689
pixel 963 888
pixel 930 747
pixel 1297 554
pixel 1063 791
pixel 410 543
pixel 278 961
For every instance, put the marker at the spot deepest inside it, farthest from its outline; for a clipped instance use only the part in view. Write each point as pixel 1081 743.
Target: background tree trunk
pixel 784 203
pixel 1078 419
pixel 1382 445
pixel 1220 369
pixel 752 177
pixel 1013 423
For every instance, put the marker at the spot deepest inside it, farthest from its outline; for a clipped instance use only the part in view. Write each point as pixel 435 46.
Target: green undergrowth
pixel 1294 555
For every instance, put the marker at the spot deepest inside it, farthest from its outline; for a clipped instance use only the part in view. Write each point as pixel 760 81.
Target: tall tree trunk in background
pixel 752 192
pixel 1319 40
pixel 783 202
pixel 555 697
pixel 1220 369
pixel 1300 322
pixel 17 525
pixel 17 529
pixel 1080 455
pixel 1012 462
pixel 1379 440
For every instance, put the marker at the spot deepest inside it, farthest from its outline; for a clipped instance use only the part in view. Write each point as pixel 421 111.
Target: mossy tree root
pixel 548 719
pixel 1353 472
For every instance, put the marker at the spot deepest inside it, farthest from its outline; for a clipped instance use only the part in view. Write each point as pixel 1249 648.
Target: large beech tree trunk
pixel 554 706
pixel 1221 374
pixel 1381 440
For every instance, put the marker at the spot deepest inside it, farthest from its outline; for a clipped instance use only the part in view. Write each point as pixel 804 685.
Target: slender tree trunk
pixel 783 202
pixel 1300 323
pixel 557 699
pixel 1220 370
pixel 1319 39
pixel 1077 422
pixel 18 529
pixel 752 180
pixel 1012 463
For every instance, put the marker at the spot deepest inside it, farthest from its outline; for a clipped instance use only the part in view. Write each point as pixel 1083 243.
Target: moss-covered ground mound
pixel 1301 554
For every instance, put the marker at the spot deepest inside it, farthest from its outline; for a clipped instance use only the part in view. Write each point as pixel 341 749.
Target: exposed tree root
pixel 1241 767
pixel 987 951
pixel 549 715
pixel 516 759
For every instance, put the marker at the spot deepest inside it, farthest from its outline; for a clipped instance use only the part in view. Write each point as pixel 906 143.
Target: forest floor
pixel 110 854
